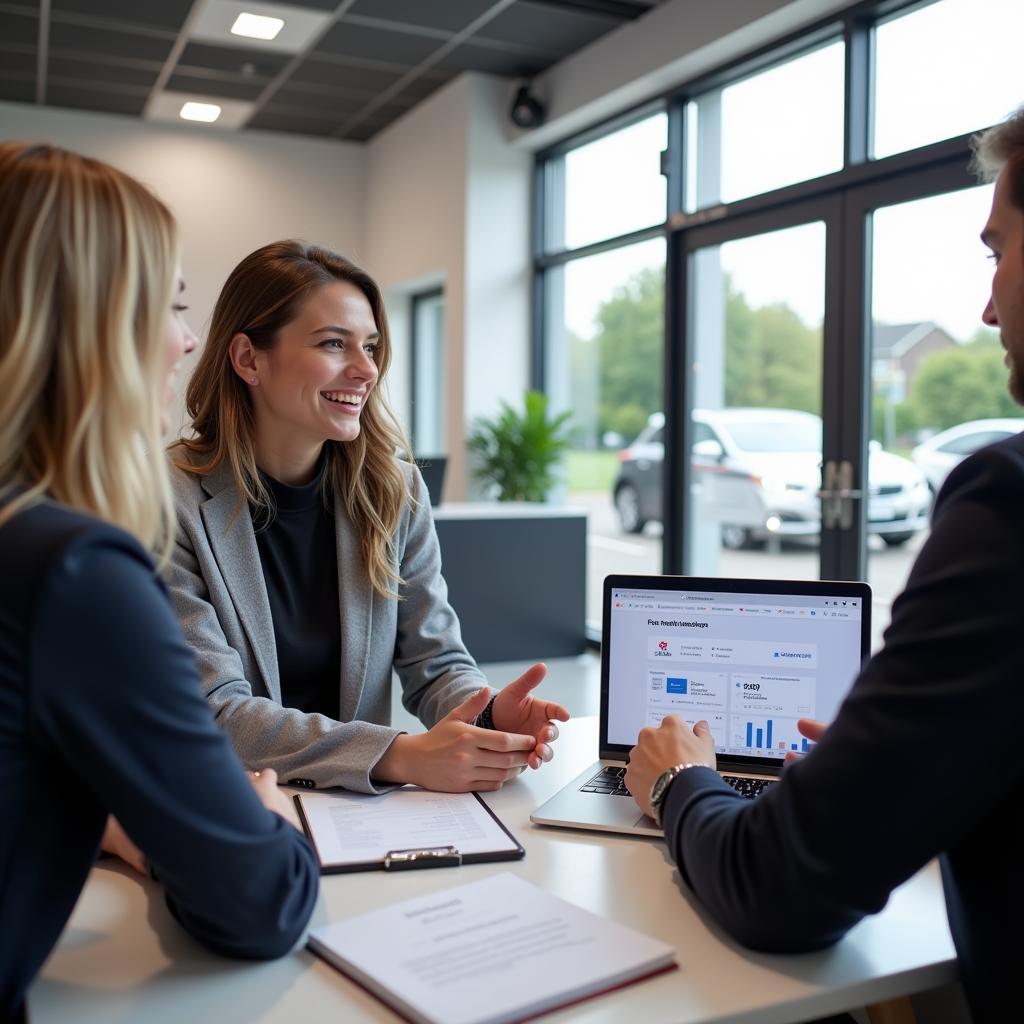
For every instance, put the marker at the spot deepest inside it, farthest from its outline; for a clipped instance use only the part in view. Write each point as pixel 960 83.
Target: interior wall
pixel 231 192
pixel 448 202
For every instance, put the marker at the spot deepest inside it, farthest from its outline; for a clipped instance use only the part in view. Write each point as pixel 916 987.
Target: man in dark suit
pixel 925 757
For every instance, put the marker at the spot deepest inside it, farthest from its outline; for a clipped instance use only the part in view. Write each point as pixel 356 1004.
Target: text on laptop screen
pixel 748 664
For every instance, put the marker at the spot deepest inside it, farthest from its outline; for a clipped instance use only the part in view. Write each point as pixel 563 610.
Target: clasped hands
pixel 674 743
pixel 458 756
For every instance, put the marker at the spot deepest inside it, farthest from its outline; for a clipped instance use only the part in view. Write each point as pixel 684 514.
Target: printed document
pixel 356 828
pixel 490 952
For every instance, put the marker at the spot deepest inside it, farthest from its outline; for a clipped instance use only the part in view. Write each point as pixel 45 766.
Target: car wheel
pixel 627 504
pixel 736 538
pixel 896 540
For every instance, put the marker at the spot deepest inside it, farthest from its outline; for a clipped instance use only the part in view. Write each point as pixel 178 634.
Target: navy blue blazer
pixel 923 759
pixel 101 712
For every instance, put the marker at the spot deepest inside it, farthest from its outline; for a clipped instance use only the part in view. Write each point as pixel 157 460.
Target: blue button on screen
pixel 676 685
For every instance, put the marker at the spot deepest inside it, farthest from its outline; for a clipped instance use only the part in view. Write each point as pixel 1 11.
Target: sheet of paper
pixel 352 827
pixel 492 951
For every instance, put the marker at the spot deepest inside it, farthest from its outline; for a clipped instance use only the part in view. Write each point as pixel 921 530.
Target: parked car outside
pixel 758 472
pixel 940 453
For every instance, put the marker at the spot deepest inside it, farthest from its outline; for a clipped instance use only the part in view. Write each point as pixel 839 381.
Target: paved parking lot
pixel 610 550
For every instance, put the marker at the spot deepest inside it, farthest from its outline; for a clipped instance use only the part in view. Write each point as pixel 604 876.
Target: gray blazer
pixel 216 583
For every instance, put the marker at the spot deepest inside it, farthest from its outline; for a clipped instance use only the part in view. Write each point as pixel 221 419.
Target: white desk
pixel 122 957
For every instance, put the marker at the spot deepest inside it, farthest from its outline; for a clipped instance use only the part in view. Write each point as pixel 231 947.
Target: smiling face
pixel 313 383
pixel 1004 235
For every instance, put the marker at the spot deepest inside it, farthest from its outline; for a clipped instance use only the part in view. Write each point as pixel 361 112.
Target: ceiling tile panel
pixel 346 76
pixel 104 41
pixel 449 15
pixel 315 5
pixel 71 94
pixel 234 59
pixel 169 14
pixel 18 29
pixel 317 105
pixel 420 88
pixel 495 61
pixel 404 48
pixel 290 121
pixel 110 72
pixel 543 27
pixel 13 62
pixel 228 88
pixel 17 90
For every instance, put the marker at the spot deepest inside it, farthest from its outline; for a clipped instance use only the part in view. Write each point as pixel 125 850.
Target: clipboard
pixel 402 830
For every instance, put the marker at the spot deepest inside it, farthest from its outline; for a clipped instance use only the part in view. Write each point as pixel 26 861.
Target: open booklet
pixel 404 828
pixel 490 952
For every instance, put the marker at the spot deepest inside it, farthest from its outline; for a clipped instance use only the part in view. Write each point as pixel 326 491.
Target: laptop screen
pixel 748 656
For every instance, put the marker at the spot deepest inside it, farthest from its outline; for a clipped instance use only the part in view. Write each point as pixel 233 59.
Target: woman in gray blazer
pixel 307 567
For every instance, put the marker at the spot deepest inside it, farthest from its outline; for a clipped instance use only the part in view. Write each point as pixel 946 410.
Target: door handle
pixel 838 495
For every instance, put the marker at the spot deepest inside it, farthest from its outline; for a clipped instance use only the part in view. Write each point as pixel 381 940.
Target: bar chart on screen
pixel 776 735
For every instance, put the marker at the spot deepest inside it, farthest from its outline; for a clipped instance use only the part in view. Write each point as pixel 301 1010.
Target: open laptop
pixel 748 656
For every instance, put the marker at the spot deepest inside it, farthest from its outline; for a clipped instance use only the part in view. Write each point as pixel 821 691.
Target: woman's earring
pixel 252 380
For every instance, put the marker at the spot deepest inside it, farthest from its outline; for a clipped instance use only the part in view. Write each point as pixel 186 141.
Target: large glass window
pixel 608 187
pixel 769 130
pixel 428 374
pixel 605 327
pixel 938 377
pixel 946 69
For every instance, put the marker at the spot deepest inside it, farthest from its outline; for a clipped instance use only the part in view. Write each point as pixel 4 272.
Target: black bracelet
pixel 486 717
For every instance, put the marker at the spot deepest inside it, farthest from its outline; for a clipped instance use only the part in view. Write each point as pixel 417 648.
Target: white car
pixel 939 454
pixel 758 472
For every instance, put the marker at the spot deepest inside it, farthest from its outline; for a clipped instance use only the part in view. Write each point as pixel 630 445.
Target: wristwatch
pixel 660 788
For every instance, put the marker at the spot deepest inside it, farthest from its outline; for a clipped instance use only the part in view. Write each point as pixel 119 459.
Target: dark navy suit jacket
pixel 101 712
pixel 925 758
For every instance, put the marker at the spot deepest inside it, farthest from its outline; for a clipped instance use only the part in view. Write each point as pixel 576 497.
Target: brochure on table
pixel 490 952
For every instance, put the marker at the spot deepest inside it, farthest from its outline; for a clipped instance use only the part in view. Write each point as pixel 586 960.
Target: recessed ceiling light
pixel 257 26
pixel 193 111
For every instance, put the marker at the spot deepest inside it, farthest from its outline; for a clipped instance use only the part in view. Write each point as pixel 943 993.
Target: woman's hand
pixel 810 728
pixel 115 841
pixel 659 749
pixel 517 711
pixel 265 783
pixel 456 756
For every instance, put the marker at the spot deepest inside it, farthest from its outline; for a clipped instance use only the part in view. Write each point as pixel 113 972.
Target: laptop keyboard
pixel 748 787
pixel 608 780
pixel 611 781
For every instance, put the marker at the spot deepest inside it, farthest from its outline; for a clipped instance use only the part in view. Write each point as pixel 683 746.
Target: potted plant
pixel 518 452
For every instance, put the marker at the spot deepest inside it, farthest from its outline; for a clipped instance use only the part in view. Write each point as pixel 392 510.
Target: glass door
pixel 754 420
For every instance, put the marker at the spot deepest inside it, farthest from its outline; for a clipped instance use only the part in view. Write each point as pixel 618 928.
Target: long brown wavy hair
pixel 262 295
pixel 87 269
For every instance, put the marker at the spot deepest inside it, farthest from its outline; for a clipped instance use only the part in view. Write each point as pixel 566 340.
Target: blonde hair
pixel 261 295
pixel 87 268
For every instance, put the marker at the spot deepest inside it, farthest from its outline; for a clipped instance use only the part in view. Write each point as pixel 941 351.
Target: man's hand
pixel 659 749
pixel 456 756
pixel 115 841
pixel 517 711
pixel 810 728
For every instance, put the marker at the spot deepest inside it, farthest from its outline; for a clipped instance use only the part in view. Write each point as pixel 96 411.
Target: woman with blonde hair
pixel 307 566
pixel 100 711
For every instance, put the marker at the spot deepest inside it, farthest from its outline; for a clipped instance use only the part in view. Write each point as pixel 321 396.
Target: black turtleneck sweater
pixel 298 552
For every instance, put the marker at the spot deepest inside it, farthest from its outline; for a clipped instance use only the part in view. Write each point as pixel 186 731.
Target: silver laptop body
pixel 748 656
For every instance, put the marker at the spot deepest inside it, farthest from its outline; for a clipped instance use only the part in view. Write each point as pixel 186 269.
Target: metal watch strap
pixel 486 717
pixel 666 779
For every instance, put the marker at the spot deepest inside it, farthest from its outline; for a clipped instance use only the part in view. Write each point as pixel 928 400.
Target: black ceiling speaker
pixel 527 111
